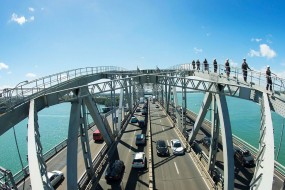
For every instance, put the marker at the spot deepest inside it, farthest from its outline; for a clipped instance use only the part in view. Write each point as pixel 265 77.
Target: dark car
pixel 162 148
pixel 141 123
pixel 217 175
pixel 115 171
pixel 140 139
pixel 243 156
pixel 144 111
pixel 206 141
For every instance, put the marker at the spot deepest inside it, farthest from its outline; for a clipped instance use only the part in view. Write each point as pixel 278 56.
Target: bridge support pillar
pixel 215 131
pixel 85 143
pixel 37 165
pixel 264 169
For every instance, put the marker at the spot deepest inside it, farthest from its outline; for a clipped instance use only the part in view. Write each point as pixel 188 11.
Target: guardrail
pixel 253 77
pixel 237 141
pixel 150 151
pixel 14 96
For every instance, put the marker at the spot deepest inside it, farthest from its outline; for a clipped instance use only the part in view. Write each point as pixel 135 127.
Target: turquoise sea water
pixel 53 126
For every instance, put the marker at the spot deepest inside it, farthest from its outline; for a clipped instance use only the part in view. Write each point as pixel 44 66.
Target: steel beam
pixel 72 144
pixel 37 166
pixel 226 132
pixel 264 169
pixel 200 118
pixel 94 113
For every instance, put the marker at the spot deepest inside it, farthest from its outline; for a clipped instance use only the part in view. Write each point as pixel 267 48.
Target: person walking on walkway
pixel 268 78
pixel 215 65
pixel 228 69
pixel 193 64
pixel 244 68
pixel 198 64
pixel 206 65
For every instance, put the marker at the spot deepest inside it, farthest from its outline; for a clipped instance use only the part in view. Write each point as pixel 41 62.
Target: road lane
pixel 173 172
pixel 133 178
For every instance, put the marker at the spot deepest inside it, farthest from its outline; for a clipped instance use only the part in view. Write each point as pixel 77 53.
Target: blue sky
pixel 40 38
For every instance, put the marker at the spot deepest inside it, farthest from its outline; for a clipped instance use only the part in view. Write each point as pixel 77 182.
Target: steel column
pixel 264 169
pixel 72 144
pixel 200 118
pixel 37 165
pixel 226 132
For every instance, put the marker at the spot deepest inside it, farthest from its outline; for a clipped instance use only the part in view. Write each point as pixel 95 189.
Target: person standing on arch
pixel 198 64
pixel 228 69
pixel 193 64
pixel 268 78
pixel 215 65
pixel 206 65
pixel 244 68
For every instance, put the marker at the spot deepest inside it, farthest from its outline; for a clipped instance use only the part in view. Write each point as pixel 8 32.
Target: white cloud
pixel 21 19
pixel 256 39
pixel 253 53
pixel 31 75
pixel 3 66
pixel 31 9
pixel 196 50
pixel 264 51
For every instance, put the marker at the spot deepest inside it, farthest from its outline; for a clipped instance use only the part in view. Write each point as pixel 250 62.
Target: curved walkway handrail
pixel 253 77
pixel 14 96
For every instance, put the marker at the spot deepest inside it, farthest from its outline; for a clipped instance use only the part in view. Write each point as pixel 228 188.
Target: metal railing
pixel 14 96
pixel 241 143
pixel 236 74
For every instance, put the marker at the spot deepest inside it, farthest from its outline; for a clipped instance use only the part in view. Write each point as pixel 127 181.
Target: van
pixel 97 136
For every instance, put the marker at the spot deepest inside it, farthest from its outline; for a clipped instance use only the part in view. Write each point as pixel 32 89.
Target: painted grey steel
pixel 201 115
pixel 215 131
pixel 85 143
pixel 38 168
pixel 72 144
pixel 175 101
pixel 264 169
pixel 227 142
pixel 9 181
pixel 94 113
pixel 120 110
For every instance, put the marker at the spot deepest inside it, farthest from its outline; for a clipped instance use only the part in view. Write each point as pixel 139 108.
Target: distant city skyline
pixel 39 38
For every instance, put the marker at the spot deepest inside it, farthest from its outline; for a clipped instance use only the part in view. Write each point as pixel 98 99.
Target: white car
pixel 55 177
pixel 177 147
pixel 139 160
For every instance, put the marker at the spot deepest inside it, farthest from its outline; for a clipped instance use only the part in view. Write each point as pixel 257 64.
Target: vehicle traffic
pixel 243 156
pixel 134 119
pixel 139 160
pixel 115 171
pixel 55 177
pixel 162 148
pixel 140 139
pixel 97 136
pixel 176 147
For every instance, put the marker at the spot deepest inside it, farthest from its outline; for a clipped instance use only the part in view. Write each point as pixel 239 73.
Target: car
pixel 141 123
pixel 138 110
pixel 186 133
pixel 206 141
pixel 134 119
pixel 55 177
pixel 177 147
pixel 243 156
pixel 140 139
pixel 162 148
pixel 139 160
pixel 115 171
pixel 217 175
pixel 144 112
pixel 157 106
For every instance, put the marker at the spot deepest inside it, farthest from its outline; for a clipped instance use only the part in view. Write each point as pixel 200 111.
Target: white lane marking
pixel 160 120
pixel 163 128
pixel 176 168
